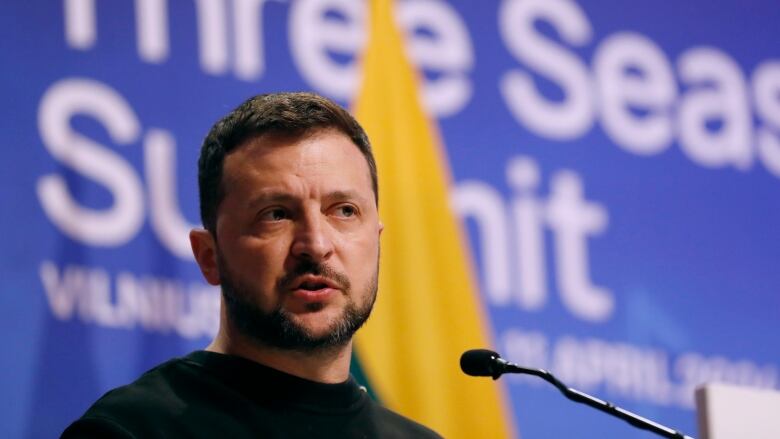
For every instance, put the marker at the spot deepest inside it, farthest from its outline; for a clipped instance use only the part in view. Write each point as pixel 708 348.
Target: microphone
pixel 484 362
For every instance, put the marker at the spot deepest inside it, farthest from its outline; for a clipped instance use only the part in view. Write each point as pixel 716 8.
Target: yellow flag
pixel 428 311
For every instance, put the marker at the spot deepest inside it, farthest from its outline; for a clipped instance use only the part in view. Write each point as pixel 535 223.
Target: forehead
pixel 327 156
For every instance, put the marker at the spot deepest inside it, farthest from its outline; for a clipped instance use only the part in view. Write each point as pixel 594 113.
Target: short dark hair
pixel 289 114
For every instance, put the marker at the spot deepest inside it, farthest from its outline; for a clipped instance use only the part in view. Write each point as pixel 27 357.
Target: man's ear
pixel 204 248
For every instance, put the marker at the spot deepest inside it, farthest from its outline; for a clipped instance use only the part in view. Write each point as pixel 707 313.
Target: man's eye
pixel 274 215
pixel 346 211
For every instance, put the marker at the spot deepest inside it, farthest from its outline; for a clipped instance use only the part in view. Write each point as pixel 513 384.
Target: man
pixel 288 199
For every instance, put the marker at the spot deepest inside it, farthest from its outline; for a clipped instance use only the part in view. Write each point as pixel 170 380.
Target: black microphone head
pixel 481 363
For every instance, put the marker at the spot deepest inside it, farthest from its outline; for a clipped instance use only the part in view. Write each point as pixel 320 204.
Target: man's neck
pixel 329 365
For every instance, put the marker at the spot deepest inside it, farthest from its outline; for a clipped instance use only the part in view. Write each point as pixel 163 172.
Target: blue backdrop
pixel 617 165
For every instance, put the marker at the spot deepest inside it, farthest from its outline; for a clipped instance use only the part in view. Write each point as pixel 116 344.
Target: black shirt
pixel 210 395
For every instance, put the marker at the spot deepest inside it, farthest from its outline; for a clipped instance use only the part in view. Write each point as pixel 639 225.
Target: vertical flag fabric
pixel 428 311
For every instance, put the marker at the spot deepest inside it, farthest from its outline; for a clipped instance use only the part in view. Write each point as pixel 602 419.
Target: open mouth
pixel 313 286
pixel 314 283
pixel 314 289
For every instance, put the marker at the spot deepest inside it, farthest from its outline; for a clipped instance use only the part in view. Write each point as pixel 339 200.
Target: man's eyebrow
pixel 269 197
pixel 343 195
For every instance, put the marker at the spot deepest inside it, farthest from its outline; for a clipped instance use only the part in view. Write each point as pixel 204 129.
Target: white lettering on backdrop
pixel 643 102
pixel 118 224
pixel 632 90
pixel 570 218
pixel 622 370
pixel 152 303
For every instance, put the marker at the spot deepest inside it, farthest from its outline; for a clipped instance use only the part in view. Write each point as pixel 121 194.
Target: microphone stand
pixel 604 406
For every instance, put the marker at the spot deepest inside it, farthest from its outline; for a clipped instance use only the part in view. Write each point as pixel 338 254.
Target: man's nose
pixel 313 240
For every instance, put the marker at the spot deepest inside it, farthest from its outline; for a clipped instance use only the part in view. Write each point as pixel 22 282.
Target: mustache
pixel 309 267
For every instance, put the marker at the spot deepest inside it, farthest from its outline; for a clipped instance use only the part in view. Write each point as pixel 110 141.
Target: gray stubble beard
pixel 277 329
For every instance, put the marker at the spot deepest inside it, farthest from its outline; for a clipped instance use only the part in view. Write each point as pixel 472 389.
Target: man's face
pixel 298 239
